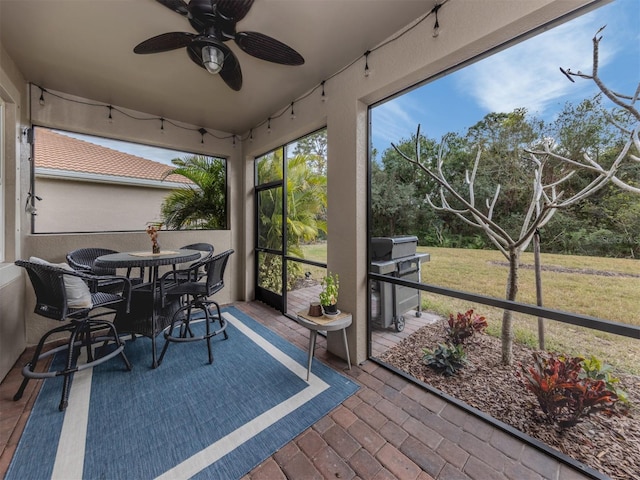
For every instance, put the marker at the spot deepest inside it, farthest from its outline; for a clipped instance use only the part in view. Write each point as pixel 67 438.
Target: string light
pixel 367 69
pixel 324 97
pixel 436 25
pixel 111 108
pixel 30 205
pixel 366 63
pixel 234 141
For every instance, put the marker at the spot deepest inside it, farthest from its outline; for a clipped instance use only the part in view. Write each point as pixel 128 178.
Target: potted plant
pixel 329 294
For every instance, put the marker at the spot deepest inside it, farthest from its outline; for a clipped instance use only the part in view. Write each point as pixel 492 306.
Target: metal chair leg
pixel 118 341
pixel 34 360
pixel 64 400
pixel 207 332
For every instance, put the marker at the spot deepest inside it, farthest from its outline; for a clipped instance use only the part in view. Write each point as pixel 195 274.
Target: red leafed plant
pixel 563 396
pixel 464 325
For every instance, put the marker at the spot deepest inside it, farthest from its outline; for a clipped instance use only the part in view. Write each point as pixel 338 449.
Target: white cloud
pixel 394 121
pixel 527 75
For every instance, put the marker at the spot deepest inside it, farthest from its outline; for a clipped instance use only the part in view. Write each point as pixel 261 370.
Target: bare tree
pixel 625 102
pixel 546 198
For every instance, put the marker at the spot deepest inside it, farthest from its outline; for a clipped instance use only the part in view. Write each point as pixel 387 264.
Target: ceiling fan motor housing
pixel 205 15
pixel 215 21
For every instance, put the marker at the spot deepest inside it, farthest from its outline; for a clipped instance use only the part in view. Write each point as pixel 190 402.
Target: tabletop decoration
pixel 152 231
pixel 315 310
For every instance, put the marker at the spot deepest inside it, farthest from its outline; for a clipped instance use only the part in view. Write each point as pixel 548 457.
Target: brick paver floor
pixel 390 429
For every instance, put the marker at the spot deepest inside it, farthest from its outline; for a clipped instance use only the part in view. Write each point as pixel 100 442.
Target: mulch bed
pixel 610 445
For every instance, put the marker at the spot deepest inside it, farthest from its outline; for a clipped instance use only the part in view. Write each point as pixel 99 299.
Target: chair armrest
pixel 114 279
pixel 93 281
pixel 176 277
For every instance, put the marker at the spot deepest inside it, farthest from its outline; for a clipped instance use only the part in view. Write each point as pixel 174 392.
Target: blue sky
pixel 525 75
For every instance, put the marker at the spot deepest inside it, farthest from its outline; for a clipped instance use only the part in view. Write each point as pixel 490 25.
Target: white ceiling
pixel 85 48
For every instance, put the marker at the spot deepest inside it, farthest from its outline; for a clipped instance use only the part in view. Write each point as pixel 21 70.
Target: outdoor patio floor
pixel 391 428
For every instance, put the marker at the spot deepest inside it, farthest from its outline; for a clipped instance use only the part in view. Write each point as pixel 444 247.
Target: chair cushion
pixel 78 293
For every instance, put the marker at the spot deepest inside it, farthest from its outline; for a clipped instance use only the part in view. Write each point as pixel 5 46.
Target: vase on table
pixel 315 310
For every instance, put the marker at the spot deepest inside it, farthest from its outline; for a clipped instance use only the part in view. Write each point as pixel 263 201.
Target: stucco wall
pixel 73 206
pixel 12 288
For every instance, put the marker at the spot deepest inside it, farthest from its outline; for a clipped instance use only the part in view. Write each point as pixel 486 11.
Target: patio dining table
pixel 147 315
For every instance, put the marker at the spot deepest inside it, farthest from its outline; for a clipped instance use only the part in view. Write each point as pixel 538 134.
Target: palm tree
pixel 306 213
pixel 306 204
pixel 201 205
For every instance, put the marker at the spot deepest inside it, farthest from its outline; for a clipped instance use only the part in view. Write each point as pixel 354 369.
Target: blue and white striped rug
pixel 185 419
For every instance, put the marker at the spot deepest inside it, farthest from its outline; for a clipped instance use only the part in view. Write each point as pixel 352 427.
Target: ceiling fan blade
pixel 234 9
pixel 176 5
pixel 267 48
pixel 231 72
pixel 165 42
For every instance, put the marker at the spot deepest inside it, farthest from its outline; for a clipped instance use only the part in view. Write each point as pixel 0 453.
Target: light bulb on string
pixel 251 135
pixel 162 126
pixel 292 114
pixel 110 118
pixel 436 25
pixel 234 141
pixel 367 70
pixel 323 96
pixel 41 101
pixel 269 125
pixel 202 132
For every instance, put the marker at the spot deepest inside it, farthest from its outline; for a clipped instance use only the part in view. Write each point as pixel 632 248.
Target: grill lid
pixel 390 248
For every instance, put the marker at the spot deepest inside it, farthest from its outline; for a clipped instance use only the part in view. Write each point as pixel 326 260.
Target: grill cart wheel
pixel 399 323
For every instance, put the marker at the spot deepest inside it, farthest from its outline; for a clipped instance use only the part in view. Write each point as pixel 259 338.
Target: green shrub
pixel 595 369
pixel 446 359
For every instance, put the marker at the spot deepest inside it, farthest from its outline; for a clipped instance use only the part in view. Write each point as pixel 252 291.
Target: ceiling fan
pixel 215 21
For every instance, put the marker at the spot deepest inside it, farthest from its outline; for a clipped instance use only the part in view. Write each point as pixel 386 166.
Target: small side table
pixel 340 322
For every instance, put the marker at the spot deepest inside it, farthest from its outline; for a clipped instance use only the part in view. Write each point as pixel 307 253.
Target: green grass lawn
pixel 591 286
pixel 604 288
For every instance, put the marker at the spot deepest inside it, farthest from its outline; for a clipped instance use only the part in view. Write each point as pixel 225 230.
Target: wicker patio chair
pixel 207 250
pixel 83 260
pixel 63 295
pixel 197 294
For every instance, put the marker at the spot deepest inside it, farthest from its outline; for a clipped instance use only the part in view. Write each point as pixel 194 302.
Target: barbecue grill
pixel 396 257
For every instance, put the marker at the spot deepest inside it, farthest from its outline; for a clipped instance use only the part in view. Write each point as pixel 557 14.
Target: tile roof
pixel 60 152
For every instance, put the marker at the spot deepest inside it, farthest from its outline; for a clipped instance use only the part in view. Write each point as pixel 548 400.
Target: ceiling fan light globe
pixel 212 59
